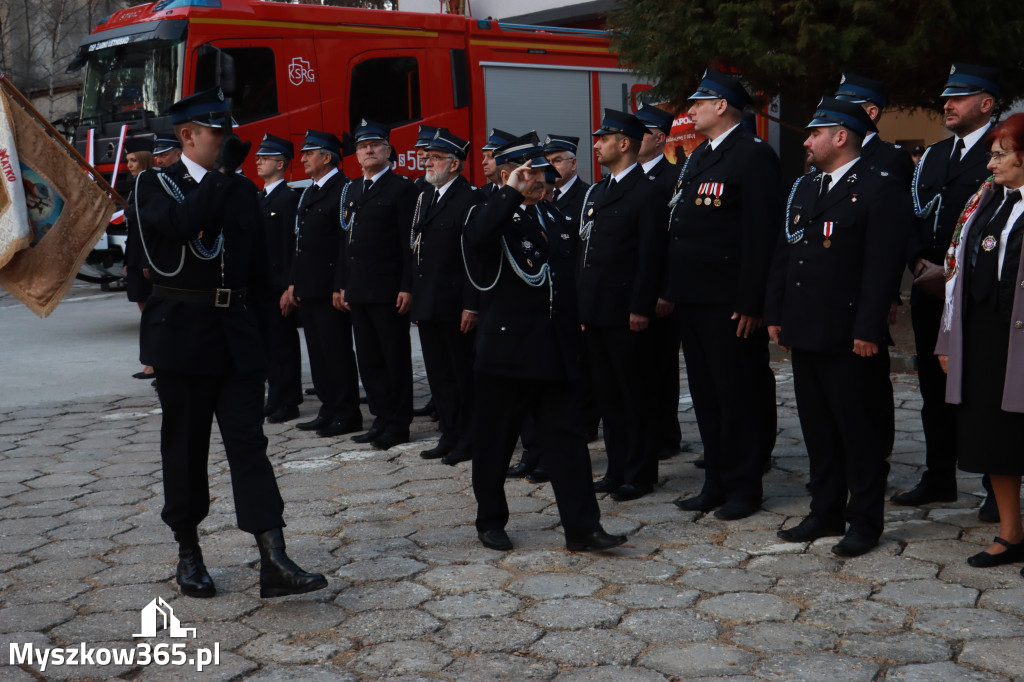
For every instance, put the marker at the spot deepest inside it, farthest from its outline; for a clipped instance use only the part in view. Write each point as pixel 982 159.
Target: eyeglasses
pixel 998 156
pixel 434 158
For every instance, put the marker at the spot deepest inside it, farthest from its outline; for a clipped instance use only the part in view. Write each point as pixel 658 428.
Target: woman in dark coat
pixel 139 154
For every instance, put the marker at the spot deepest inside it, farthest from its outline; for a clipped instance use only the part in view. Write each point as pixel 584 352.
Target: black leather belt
pixel 218 298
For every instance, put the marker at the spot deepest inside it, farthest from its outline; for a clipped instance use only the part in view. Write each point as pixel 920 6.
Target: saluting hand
pixel 517 180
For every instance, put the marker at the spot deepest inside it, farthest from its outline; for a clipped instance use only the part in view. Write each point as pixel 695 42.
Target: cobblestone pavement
pixel 413 595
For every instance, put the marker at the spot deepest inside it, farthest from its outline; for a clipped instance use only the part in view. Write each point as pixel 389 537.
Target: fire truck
pixel 292 67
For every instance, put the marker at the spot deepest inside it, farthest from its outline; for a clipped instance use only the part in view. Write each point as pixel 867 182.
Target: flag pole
pixel 27 105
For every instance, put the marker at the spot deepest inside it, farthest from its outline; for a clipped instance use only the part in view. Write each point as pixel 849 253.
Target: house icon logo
pixel 153 612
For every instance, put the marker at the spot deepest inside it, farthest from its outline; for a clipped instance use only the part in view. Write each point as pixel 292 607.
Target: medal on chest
pixel 989 243
pixel 827 231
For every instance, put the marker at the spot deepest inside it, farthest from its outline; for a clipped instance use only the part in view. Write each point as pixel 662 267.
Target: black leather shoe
pixel 1012 554
pixel 455 457
pixel 279 575
pixel 268 409
pixel 538 475
pixel 733 510
pixel 390 439
pixel 518 471
pixel 339 428
pixel 989 511
pixel 606 485
pixel 373 434
pixel 699 463
pixel 628 491
pixel 495 539
pixel 315 425
pixel 436 452
pixel 704 502
pixel 597 540
pixel 427 410
pixel 925 493
pixel 854 544
pixel 283 414
pixel 667 453
pixel 191 574
pixel 810 529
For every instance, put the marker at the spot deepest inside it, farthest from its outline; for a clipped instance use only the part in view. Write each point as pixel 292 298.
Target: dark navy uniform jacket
pixel 319 240
pixel 375 262
pixel 825 297
pixel 889 157
pixel 931 239
pixel 721 254
pixel 439 287
pixel 665 174
pixel 622 264
pixel 527 332
pixel 571 203
pixel 192 337
pixel 278 210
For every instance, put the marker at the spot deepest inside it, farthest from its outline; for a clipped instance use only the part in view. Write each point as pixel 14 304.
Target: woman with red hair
pixel 981 338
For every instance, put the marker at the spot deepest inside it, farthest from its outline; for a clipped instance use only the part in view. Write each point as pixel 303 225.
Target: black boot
pixel 279 575
pixel 192 575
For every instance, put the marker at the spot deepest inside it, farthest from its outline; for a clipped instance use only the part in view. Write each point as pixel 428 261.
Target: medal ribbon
pixel 828 229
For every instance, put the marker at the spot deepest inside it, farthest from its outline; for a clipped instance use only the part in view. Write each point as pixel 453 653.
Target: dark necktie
pixel 986 266
pixel 826 185
pixel 556 194
pixel 532 212
pixel 954 158
pixel 435 199
pixel 263 193
pixel 367 184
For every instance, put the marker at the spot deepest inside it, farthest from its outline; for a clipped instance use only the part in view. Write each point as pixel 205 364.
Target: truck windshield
pixel 131 82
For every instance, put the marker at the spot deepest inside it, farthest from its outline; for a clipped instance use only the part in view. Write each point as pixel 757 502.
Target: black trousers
pixel 666 387
pixel 622 366
pixel 189 403
pixel 448 357
pixel 284 363
pixel 733 391
pixel 844 427
pixel 332 362
pixel 384 354
pixel 937 418
pixel 502 404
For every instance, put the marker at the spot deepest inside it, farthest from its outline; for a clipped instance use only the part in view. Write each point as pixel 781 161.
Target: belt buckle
pixel 222 298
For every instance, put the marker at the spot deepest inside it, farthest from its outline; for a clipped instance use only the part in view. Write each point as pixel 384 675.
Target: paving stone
pixel 698 659
pixel 782 638
pixel 33 525
pixel 383 595
pixel 941 672
pixel 371 627
pixel 284 648
pixel 500 667
pixel 545 560
pixel 622 571
pixel 916 530
pixel 855 616
pixel 61 480
pixel 34 617
pixel 50 508
pixel 119 531
pixel 123 598
pixel 654 596
pixel 612 673
pixel 36 593
pixel 303 673
pixel 231 667
pixel 381 569
pixel 401 658
pixel 818 588
pixel 97 627
pixel 556 585
pixel 670 625
pixel 926 594
pixel 491 604
pixel 487 634
pixel 816 667
pixel 761 542
pixel 573 614
pixel 457 554
pixel 898 648
pixel 87 671
pixel 704 556
pixel 372 549
pixel 969 624
pixel 792 565
pixel 73 549
pixel 295 616
pixel 1008 601
pixel 721 580
pixel 471 578
pixel 36 639
pixel 588 647
pixel 750 607
pixel 987 579
pixel 230 635
pixel 879 568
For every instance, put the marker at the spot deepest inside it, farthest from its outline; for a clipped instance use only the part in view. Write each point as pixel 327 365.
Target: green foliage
pixel 799 48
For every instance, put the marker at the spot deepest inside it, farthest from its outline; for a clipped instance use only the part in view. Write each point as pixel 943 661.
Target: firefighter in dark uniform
pixel 424 135
pixel 522 259
pixel 725 218
pixel 872 96
pixel 948 174
pixel 444 305
pixel 278 202
pixel 374 282
pixel 620 272
pixel 166 149
pixel 836 266
pixel 495 139
pixel 328 331
pixel 567 196
pixel 203 331
pixel 663 173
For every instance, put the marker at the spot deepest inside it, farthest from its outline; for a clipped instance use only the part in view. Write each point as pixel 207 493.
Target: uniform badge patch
pixel 989 243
